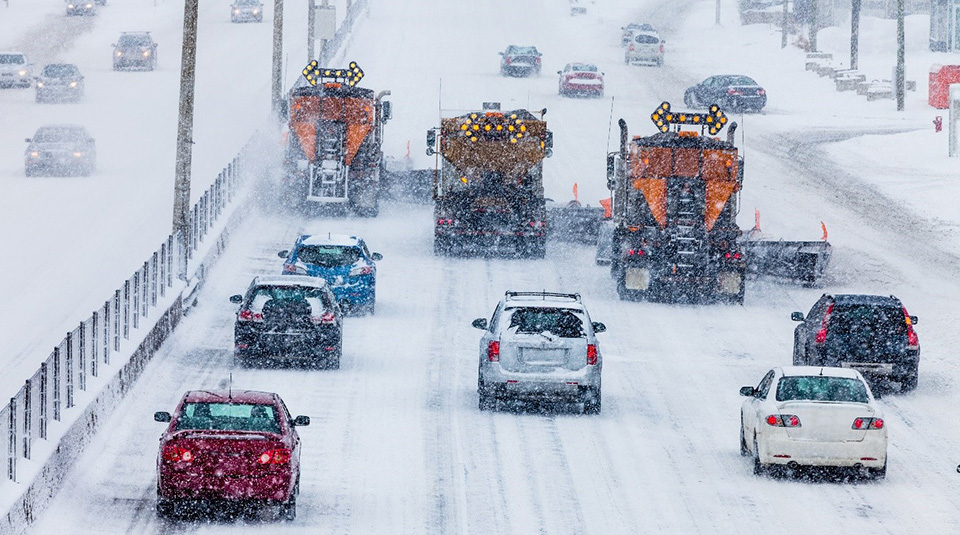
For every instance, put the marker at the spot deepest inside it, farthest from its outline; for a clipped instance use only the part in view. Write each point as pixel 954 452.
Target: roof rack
pixel 543 295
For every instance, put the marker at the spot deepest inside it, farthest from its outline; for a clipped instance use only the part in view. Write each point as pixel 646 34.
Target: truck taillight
pixel 276 456
pixel 592 355
pixel 822 333
pixel 493 351
pixel 732 256
pixel 635 252
pixel 538 224
pixel 249 315
pixel 783 420
pixel 867 423
pixel 327 318
pixel 174 454
pixel 443 221
pixel 913 341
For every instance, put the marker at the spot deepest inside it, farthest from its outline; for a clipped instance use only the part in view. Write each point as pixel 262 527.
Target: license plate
pixel 868 367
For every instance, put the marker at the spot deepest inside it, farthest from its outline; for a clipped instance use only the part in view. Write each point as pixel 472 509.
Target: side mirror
pixel 480 323
pixel 914 320
pixel 236 299
pixel 113 45
pixel 796 316
pixel 559 72
pixel 387 111
pixel 161 416
pixel 501 53
pixel 748 391
pixel 376 257
pixel 283 254
pixel 301 421
pixel 599 327
pixel 28 140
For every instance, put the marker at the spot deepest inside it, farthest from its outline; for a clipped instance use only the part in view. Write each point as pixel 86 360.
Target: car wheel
pixel 289 510
pixel 626 60
pixel 744 450
pixel 797 360
pixel 908 382
pixel 486 400
pixel 591 400
pixel 879 473
pixel 165 508
pixel 758 467
pixel 659 62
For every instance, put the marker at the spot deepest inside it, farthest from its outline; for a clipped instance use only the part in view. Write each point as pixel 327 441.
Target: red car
pixel 229 448
pixel 581 79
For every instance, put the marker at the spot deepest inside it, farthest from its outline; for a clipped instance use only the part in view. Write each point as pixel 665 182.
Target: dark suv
pixel 872 334
pixel 291 317
pixel 520 61
pixel 135 50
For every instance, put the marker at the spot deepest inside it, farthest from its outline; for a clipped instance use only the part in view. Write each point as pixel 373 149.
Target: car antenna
pixel 821 371
pixel 230 388
pixel 610 126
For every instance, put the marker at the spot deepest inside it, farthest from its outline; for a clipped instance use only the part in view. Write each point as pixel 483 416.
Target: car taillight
pixel 661 49
pixel 361 270
pixel 783 420
pixel 635 252
pixel 175 454
pixel 443 221
pixel 761 91
pixel 732 256
pixel 591 355
pixel 822 333
pixel 913 341
pixel 277 456
pixel 733 91
pixel 508 60
pixel 538 60
pixel 249 315
pixel 868 423
pixel 493 351
pixel 326 318
pixel 631 47
pixel 538 224
pixel 289 268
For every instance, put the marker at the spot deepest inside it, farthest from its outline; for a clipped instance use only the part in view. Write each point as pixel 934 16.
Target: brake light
pixel 173 454
pixel 509 61
pixel 783 420
pixel 913 341
pixel 635 252
pixel 277 456
pixel 325 318
pixel 538 224
pixel 661 49
pixel 249 315
pixel 631 47
pixel 868 423
pixel 732 256
pixel 733 91
pixel 361 270
pixel 822 333
pixel 493 351
pixel 289 268
pixel 442 221
pixel 761 91
pixel 591 355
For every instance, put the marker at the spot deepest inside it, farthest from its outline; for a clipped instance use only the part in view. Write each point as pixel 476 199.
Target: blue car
pixel 343 261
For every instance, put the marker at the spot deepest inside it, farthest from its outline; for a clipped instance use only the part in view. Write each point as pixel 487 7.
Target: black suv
pixel 135 50
pixel 520 61
pixel 872 334
pixel 291 317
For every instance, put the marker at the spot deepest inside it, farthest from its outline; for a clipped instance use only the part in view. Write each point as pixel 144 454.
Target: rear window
pixel 820 388
pixel 560 322
pixel 584 68
pixel 12 59
pixel 328 255
pixel 287 298
pixel 229 417
pixel 647 39
pixel 868 320
pixel 739 80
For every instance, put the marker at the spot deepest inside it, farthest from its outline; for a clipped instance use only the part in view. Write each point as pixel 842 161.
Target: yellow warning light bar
pixel 315 74
pixel 492 126
pixel 713 121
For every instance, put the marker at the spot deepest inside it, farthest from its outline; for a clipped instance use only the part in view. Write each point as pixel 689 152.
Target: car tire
pixel 486 401
pixel 744 450
pixel 909 382
pixel 879 473
pixel 797 360
pixel 626 60
pixel 759 468
pixel 591 400
pixel 660 62
pixel 165 508
pixel 288 510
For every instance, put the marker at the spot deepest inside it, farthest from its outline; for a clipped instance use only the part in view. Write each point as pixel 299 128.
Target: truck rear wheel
pixel 532 247
pixel 441 246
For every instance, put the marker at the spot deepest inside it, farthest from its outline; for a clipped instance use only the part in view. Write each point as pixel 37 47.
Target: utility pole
pixel 814 24
pixel 783 24
pixel 899 88
pixel 854 34
pixel 277 55
pixel 718 11
pixel 181 188
pixel 311 28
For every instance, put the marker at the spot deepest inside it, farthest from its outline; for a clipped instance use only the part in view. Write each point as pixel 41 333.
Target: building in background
pixel 944 25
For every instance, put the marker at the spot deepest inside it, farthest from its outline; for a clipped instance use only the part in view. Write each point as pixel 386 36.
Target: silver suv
pixel 540 346
pixel 15 70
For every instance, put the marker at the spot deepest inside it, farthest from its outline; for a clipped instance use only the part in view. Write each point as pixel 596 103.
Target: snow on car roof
pixel 329 239
pixel 235 396
pixel 799 371
pixel 291 280
pixel 543 300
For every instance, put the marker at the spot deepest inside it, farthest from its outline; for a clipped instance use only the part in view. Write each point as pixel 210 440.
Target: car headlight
pixel 34 154
pixel 39 84
pixel 72 84
pixel 89 6
pixel 77 154
pixel 146 53
pixel 255 11
pixel 236 11
pixel 23 72
pixel 119 53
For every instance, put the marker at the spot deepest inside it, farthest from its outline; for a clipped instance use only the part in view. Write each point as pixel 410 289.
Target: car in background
pixel 15 70
pixel 732 92
pixel 135 50
pixel 235 449
pixel 576 8
pixel 806 416
pixel 540 346
pixel 59 82
pixel 628 30
pixel 246 11
pixel 81 7
pixel 583 79
pixel 520 61
pixel 291 318
pixel 60 149
pixel 343 261
pixel 645 46
pixel 872 334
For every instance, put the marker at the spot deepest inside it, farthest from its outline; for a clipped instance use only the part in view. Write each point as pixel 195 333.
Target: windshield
pixel 55 135
pixel 12 59
pixel 59 71
pixel 329 255
pixel 560 322
pixel 819 388
pixel 135 40
pixel 229 417
pixel 647 39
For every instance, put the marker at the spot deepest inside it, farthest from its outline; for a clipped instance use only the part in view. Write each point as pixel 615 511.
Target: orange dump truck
pixel 675 206
pixel 333 153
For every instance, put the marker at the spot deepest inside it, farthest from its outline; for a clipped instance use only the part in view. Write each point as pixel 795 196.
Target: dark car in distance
pixel 60 149
pixel 59 82
pixel 229 449
pixel 732 92
pixel 81 7
pixel 520 61
pixel 135 50
pixel 293 318
pixel 872 334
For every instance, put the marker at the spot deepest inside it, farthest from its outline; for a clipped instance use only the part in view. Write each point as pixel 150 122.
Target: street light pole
pixel 277 55
pixel 783 24
pixel 900 61
pixel 181 189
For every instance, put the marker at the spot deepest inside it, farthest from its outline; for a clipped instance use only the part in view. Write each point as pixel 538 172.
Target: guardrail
pixel 85 352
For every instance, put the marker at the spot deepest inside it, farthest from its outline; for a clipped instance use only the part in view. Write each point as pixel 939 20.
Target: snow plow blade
pixel 579 224
pixel 801 261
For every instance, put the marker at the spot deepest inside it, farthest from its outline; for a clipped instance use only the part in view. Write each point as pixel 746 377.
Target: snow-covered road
pixel 397 444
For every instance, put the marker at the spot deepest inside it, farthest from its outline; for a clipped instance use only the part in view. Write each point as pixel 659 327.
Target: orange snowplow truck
pixel 333 153
pixel 675 210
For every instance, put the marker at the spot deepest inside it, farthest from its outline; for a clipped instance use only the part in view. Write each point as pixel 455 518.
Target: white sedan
pixel 801 416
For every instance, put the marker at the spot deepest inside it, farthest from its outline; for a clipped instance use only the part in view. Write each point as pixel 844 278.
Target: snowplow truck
pixel 674 211
pixel 488 185
pixel 333 153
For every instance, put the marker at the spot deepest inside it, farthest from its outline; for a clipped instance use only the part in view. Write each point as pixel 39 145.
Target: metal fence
pixel 86 351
